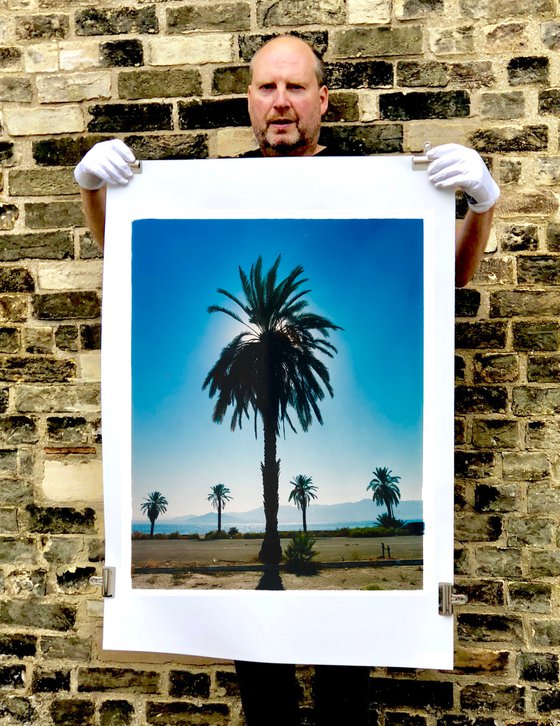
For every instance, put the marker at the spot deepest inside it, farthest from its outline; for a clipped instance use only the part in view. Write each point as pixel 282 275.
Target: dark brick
pixel 460 367
pixel 489 628
pixel 509 303
pixel 480 399
pixel 343 106
pixel 231 81
pixel 527 70
pixel 44 246
pixel 227 680
pixel 549 102
pixel 249 43
pixel 36 370
pixel 474 465
pixel 63 151
pixel 40 215
pixel 116 713
pixel 120 54
pixel 363 140
pixel 540 335
pixel 172 82
pixel 472 75
pixel 553 237
pixel 404 719
pixel 75 581
pixel 9 214
pixel 185 146
pixel 9 340
pixel 191 685
pixel 218 16
pixel 18 430
pixel 510 139
pixel 18 709
pixel 495 433
pixel 121 21
pixel 542 667
pixel 543 369
pixel 66 648
pixel 548 701
pixel 480 335
pixel 213 114
pixel 424 105
pixel 117 679
pixel 50 681
pixel 67 429
pixel 12 676
pixel 91 336
pixel 4 399
pixel 530 597
pixel 520 238
pixel 6 147
pixel 117 117
pixel 42 27
pixel 359 42
pixel 493 697
pixel 61 520
pixel 429 74
pixel 9 57
pixel 482 592
pixel 359 74
pixel 72 711
pixel 66 337
pixel 460 431
pixel 464 720
pixel 541 270
pixel 62 305
pixel 50 616
pixel 477 528
pixel 181 713
pixel 18 646
pixel 412 694
pixel 494 499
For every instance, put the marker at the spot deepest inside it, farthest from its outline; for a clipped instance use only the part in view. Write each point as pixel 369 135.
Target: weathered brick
pixel 508 303
pixel 213 113
pixel 543 368
pixel 498 562
pixel 547 170
pixel 58 88
pixel 16 89
pixel 510 171
pixel 410 9
pixel 544 563
pixel 489 498
pixel 42 27
pixel 478 528
pixel 119 21
pixel 480 335
pixel 495 433
pixel 548 701
pixel 115 117
pixel 41 215
pixel 218 16
pixel 116 713
pixel 67 337
pixel 39 370
pixel 69 647
pixel 415 694
pixel 68 711
pixel 10 57
pixel 492 697
pixel 231 80
pixel 515 203
pixel 18 645
pixel 46 245
pixel 538 335
pixel 9 340
pixel 361 140
pixel 532 532
pixel 469 465
pixel 518 238
pixel 460 432
pixel 343 106
pixel 76 580
pixel 45 616
pixel 60 520
pixel 543 498
pixel 530 597
pixel 117 679
pixel 184 146
pixel 424 105
pixel 528 70
pixel 41 182
pixel 67 429
pixel 181 712
pixel 543 435
pixel 249 43
pixel 377 42
pixel 61 550
pixel 358 74
pixel 532 401
pixel 541 667
pixel 58 399
pixel 472 75
pixel 541 270
pixel 545 633
pixel 198 49
pixel 467 302
pixel 172 82
pixel 460 368
pixel 486 628
pixel 550 34
pixel 482 592
pixel 26 121
pixel 499 9
pixel 66 305
pixel 227 681
pixel 50 681
pixel 510 139
pixel 508 38
pixel 430 74
pixel 449 41
pixel 524 466
pixel 121 53
pixel 404 719
pixel 469 661
pixel 480 399
pixel 191 685
pixel 503 105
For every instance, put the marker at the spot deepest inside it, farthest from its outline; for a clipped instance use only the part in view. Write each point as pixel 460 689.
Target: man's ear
pixel 324 98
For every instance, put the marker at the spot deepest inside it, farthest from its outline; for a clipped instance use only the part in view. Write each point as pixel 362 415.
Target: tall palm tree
pixel 154 505
pixel 219 495
pixel 271 369
pixel 302 493
pixel 385 489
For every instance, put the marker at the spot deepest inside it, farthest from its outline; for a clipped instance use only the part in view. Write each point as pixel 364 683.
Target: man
pixel 287 99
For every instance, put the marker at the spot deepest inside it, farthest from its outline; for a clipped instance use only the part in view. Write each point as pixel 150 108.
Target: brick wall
pixel 169 78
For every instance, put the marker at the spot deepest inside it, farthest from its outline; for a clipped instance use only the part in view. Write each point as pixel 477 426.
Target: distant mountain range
pixel 363 511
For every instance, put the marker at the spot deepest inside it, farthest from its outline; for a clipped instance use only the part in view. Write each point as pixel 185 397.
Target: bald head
pixel 287 97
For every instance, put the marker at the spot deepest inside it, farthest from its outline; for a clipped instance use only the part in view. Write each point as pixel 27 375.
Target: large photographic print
pixel 277 400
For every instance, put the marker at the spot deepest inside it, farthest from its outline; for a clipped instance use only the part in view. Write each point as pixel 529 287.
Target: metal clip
pixel 448 598
pixel 135 166
pixel 419 162
pixel 106 582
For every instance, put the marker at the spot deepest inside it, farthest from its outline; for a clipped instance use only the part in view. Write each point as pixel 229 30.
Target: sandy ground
pixel 362 555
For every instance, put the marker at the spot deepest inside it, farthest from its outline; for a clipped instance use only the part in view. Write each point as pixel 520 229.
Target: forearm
pixel 93 202
pixel 471 238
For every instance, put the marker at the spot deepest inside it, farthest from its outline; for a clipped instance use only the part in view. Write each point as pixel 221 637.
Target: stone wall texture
pixel 169 77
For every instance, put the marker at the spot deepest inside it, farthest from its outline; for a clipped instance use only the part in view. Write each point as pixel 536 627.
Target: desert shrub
pixel 300 553
pixel 232 531
pixel 384 520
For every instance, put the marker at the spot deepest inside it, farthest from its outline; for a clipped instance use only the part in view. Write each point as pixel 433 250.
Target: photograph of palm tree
pixel 277 367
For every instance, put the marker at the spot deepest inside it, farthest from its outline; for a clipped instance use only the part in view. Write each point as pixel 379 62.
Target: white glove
pixel 456 166
pixel 105 162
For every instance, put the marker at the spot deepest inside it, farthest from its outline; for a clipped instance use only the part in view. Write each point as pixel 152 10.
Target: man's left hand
pixel 456 167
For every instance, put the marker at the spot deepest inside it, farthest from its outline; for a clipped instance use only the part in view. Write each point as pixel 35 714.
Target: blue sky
pixel 364 275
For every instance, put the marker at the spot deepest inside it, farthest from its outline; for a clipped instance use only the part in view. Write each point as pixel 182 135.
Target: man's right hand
pixel 106 162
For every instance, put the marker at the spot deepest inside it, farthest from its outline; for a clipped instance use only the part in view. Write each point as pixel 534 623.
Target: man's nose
pixel 281 99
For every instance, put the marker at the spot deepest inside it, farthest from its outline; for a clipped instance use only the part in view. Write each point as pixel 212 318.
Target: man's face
pixel 285 100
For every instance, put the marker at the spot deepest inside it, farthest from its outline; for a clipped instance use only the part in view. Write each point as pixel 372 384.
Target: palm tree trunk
pixel 271 549
pixel 219 516
pixel 152 522
pixel 304 512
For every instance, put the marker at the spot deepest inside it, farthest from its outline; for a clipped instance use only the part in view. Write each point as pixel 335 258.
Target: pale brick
pixel 74 482
pixel 79 55
pixel 40 58
pixel 418 133
pixel 514 204
pixel 363 12
pixel 451 41
pixel 548 170
pixel 38 121
pixel 84 398
pixel 77 87
pixel 232 142
pixel 194 49
pixel 79 275
pixel 90 366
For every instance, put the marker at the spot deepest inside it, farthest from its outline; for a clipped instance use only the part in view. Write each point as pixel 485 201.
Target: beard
pixel 283 145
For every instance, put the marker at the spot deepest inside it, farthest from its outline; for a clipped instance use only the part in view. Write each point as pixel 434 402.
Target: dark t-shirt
pixel 257 153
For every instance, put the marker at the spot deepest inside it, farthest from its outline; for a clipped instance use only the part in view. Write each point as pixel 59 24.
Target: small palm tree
pixel 302 493
pixel 219 495
pixel 385 489
pixel 152 506
pixel 272 370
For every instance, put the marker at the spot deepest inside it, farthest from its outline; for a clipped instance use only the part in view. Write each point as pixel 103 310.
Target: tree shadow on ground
pixel 271 580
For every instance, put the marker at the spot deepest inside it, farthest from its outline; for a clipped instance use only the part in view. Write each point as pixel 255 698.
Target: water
pixel 163 528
